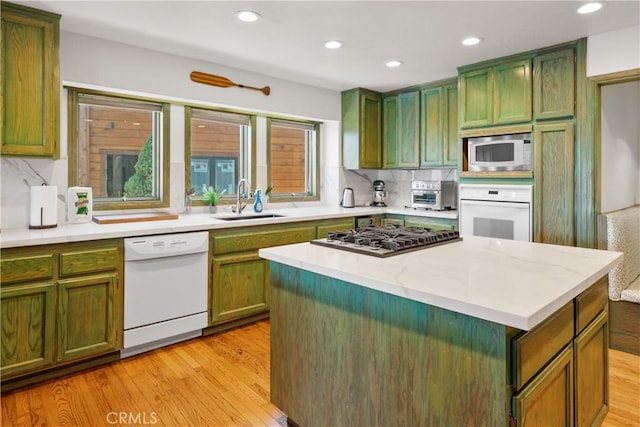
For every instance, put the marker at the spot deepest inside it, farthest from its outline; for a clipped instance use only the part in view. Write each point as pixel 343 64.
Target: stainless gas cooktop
pixel 387 240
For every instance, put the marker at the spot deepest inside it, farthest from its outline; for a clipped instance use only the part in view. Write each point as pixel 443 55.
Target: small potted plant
pixel 211 196
pixel 267 193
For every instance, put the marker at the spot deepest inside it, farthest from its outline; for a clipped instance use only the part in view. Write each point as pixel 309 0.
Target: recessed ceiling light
pixel 590 7
pixel 333 44
pixel 470 41
pixel 248 15
pixel 393 64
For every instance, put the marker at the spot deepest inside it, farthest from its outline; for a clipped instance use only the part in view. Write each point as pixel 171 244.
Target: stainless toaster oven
pixel 435 195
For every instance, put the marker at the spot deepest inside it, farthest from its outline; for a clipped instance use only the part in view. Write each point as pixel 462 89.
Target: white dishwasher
pixel 165 290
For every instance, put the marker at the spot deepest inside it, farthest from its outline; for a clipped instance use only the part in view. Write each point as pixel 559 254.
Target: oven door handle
pixel 493 203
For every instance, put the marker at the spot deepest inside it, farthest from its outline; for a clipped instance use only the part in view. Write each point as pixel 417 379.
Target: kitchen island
pixel 468 333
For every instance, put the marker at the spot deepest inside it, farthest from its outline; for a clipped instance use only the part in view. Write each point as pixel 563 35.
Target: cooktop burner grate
pixel 387 240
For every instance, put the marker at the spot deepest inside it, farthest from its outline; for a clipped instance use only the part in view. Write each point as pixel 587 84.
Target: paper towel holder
pixel 38 217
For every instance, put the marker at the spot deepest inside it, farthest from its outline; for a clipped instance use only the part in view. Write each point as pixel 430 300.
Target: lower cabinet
pixel 28 324
pixel 548 399
pixel 239 280
pixel 434 223
pixel 566 387
pixel 61 304
pixel 591 367
pixel 239 286
pixel 87 316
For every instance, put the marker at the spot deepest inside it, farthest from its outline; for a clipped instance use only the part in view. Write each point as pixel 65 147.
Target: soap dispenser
pixel 257 204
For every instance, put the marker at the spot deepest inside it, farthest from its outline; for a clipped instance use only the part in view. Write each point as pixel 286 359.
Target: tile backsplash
pixel 397 183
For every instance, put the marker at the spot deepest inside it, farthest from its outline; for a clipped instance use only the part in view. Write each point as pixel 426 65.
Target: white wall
pixel 613 51
pixel 620 146
pixel 102 64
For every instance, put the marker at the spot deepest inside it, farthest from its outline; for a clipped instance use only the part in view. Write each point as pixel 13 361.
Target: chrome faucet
pixel 240 200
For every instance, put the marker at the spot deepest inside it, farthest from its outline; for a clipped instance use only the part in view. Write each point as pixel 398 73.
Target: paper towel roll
pixel 79 204
pixel 44 209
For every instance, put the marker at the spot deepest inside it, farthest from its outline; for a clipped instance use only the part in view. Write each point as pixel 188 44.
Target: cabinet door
pixel 512 92
pixel 554 85
pixel 86 316
pixel 240 286
pixel 548 399
pixel 476 98
pixel 28 327
pixel 30 89
pixel 592 372
pixel 450 126
pixel 431 132
pixel 390 132
pixel 371 132
pixel 408 129
pixel 554 177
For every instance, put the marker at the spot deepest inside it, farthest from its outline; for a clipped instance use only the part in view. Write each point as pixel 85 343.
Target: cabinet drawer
pixel 591 302
pixel 535 348
pixel 264 238
pixel 323 229
pixel 34 267
pixel 72 263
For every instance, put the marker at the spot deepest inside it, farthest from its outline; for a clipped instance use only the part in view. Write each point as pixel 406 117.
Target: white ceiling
pixel 287 42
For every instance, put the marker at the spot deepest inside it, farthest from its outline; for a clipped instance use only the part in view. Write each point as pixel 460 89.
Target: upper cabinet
pixel 495 95
pixel 401 130
pixel 361 129
pixel 554 85
pixel 439 126
pixel 30 87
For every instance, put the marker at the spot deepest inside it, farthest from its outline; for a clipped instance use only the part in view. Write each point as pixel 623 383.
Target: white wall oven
pixel 499 211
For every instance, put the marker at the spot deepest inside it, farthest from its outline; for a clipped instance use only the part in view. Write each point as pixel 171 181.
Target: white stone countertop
pixel 19 237
pixel 513 283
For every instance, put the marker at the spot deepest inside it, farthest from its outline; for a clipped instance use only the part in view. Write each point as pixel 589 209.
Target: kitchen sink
pixel 251 216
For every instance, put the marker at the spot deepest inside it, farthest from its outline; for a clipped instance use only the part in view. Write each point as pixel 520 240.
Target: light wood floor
pixel 221 380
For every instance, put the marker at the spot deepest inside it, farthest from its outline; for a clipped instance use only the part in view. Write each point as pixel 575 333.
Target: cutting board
pixel 136 217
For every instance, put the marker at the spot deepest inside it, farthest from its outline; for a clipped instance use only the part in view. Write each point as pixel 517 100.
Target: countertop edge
pixel 524 321
pixel 67 233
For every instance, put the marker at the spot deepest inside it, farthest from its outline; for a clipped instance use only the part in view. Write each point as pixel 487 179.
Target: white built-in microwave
pixel 500 153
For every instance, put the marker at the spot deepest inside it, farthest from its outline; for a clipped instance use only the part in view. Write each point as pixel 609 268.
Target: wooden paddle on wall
pixel 213 80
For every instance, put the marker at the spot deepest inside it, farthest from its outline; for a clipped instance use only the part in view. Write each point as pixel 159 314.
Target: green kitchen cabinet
pixel 239 281
pixel 548 399
pixel 570 388
pixel 361 129
pixel 401 130
pixel 408 129
pixel 324 226
pixel 390 132
pixel 87 316
pixel 553 171
pixel 240 286
pixel 439 126
pixel 554 85
pixel 28 327
pixel 62 307
pixel 496 95
pixel 431 222
pixel 30 82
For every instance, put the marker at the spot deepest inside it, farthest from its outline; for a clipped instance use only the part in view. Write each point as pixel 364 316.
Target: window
pixel 118 146
pixel 293 159
pixel 218 149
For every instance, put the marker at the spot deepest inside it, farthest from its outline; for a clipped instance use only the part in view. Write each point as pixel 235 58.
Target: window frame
pixel 72 149
pixel 315 194
pixel 248 150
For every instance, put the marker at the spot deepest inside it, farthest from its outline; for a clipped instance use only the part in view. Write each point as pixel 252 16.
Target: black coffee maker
pixel 379 193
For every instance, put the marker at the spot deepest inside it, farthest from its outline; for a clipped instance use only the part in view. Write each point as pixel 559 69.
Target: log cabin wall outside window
pixel 118 146
pixel 293 159
pixel 218 150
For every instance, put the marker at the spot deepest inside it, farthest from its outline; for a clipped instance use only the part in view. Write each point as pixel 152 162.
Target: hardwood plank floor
pixel 220 380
